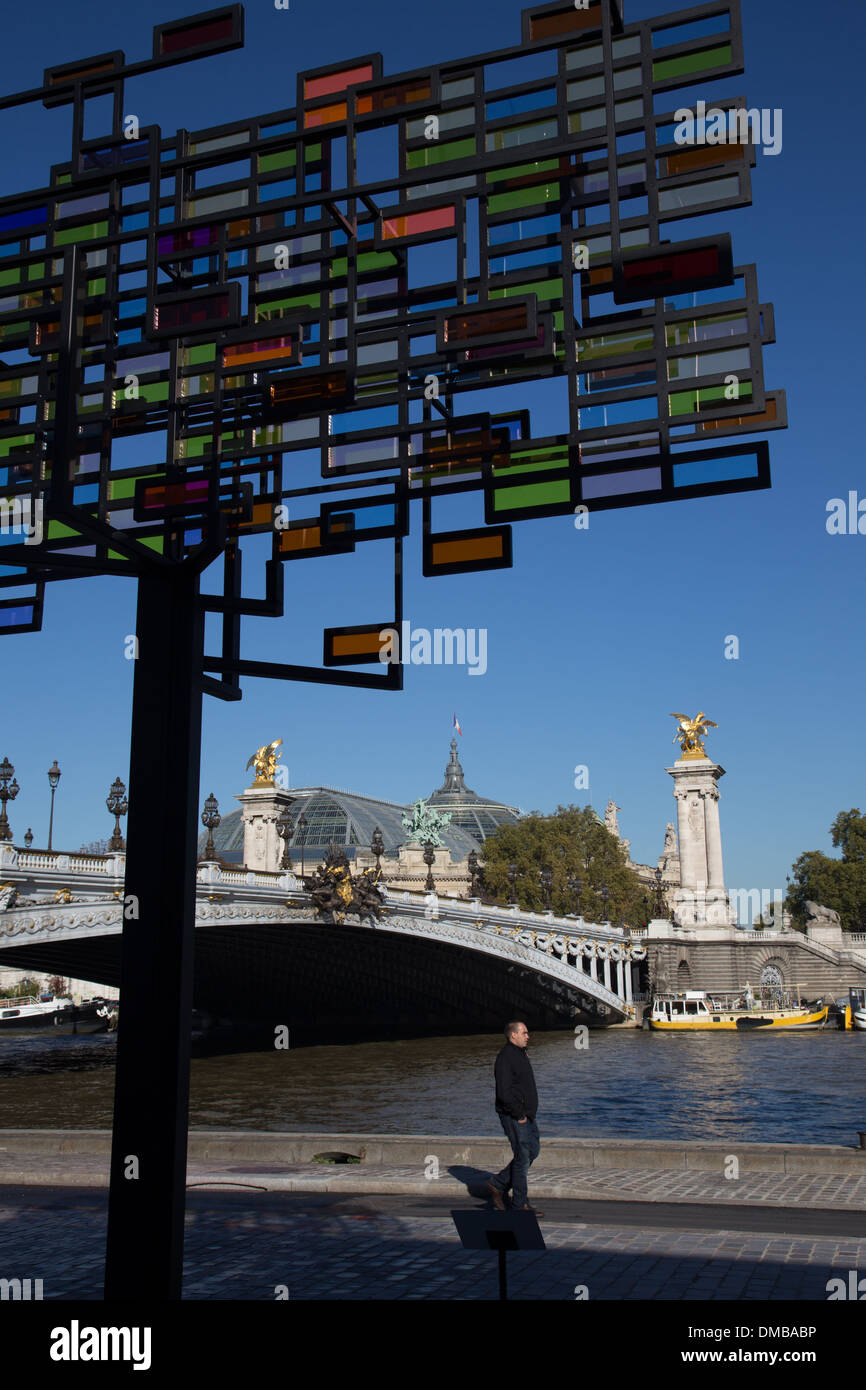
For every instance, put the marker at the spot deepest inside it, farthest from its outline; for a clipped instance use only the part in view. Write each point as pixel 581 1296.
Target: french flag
pixel 457 726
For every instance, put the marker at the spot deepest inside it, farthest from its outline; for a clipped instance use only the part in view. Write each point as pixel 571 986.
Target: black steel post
pixel 144 1256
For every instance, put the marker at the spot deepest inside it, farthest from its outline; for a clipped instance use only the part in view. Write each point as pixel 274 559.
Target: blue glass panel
pixel 515 106
pixel 715 470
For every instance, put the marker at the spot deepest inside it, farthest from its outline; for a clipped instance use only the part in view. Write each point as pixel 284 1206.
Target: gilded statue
pixel 690 733
pixel 265 762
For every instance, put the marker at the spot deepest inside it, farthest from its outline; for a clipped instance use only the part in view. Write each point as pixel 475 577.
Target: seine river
pixel 798 1088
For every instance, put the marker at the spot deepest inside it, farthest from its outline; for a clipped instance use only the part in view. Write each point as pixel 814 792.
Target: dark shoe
pixel 496 1196
pixel 529 1208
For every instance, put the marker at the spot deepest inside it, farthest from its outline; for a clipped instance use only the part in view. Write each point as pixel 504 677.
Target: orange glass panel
pixel 336 82
pixel 324 386
pixel 512 318
pixel 702 158
pixel 765 417
pixel 466 551
pixel 325 115
pixel 266 350
pixel 359 644
pixel 60 79
pixel 301 538
pixel 399 94
pixel 570 21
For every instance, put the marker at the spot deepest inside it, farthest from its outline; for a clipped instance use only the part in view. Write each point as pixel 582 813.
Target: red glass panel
pixel 512 318
pixel 416 223
pixel 212 30
pixel 333 82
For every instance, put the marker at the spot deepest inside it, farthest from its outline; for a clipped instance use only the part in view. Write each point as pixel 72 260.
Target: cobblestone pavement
pixel 814 1190
pixel 247 1246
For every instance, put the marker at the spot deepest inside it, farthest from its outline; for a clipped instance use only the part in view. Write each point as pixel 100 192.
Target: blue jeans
pixel 525 1145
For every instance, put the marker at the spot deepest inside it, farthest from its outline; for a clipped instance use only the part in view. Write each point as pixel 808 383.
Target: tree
pixel 839 884
pixel 57 985
pixel 29 985
pixel 561 843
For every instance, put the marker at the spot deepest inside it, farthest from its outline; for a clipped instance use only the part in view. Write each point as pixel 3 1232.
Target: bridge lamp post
pixel 576 887
pixel 9 789
pixel 605 894
pixel 377 845
pixel 546 877
pixel 659 903
pixel 210 819
pixel 429 857
pixel 472 865
pixel 285 830
pixel 512 881
pixel 302 831
pixel 117 806
pixel 53 779
pixel 28 838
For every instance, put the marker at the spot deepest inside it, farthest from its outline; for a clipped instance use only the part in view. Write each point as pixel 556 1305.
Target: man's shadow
pixel 474 1179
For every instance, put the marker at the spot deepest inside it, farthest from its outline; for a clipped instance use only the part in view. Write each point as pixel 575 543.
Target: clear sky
pixel 594 636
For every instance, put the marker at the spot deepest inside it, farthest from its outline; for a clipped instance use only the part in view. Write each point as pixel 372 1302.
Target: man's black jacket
pixel 515 1084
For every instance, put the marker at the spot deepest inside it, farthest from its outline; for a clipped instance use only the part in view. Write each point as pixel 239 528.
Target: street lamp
pixel 512 880
pixel 605 894
pixel 302 831
pixel 472 865
pixel 210 819
pixel 53 779
pixel 9 789
pixel 429 857
pixel 285 830
pixel 546 876
pixel 118 806
pixel 377 845
pixel 576 887
pixel 659 902
pixel 28 838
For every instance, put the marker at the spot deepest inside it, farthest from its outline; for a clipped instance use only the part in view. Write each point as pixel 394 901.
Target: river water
pixel 782 1087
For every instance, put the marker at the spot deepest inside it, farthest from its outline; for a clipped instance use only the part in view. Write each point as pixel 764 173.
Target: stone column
pixel 714 840
pixel 262 807
pixel 705 901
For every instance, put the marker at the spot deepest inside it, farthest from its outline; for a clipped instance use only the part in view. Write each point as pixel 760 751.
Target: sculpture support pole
pixel 144 1256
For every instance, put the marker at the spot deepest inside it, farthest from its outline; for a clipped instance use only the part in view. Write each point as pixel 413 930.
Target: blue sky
pixel 593 636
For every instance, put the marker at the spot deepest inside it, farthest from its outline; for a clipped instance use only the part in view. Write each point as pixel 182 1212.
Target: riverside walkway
pixel 623 1220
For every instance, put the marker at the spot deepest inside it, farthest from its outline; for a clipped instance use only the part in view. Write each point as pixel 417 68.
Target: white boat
pixel 48 1011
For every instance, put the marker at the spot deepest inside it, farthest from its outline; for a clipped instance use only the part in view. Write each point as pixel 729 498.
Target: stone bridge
pixel 262 955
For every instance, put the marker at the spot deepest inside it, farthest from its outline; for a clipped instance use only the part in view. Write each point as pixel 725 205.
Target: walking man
pixel 516 1106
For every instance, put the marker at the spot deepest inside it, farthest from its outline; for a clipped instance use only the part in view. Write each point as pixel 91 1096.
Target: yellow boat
pixel 699 1009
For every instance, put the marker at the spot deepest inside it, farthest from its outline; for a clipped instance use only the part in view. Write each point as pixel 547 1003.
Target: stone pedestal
pixel 262 807
pixel 701 899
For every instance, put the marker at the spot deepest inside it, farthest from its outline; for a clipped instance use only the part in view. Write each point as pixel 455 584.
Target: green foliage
pixel 561 842
pixel 28 985
pixel 836 883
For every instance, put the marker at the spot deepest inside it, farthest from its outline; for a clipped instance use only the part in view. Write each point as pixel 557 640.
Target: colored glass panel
pixel 178 38
pixel 567 21
pixel 687 63
pixel 325 115
pixel 416 223
pixel 336 82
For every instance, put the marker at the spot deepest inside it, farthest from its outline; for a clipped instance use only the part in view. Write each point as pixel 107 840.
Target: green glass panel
pixel 194 448
pixel 14 330
pixel 205 352
pixel 555 493
pixel 281 159
pixel 523 197
pixel 154 543
pixel 56 530
pixel 440 154
pixel 542 289
pixel 276 307
pixel 519 170
pixel 37 271
pixel 119 488
pixel 370 260
pixel 313 154
pixel 691 62
pixel 10 277
pixel 613 345
pixel 15 442
pixel 534 461
pixel 689 402
pixel 86 232
pixel 95 287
